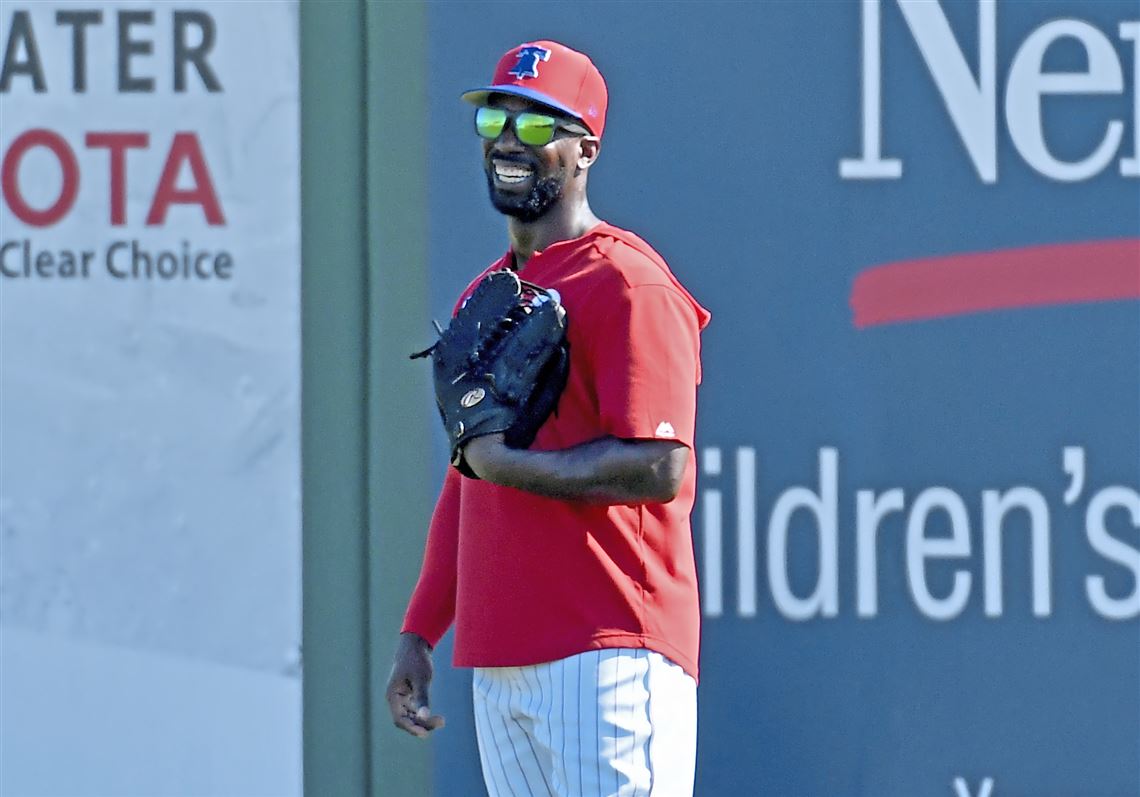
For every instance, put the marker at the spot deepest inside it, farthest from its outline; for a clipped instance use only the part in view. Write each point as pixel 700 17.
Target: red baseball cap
pixel 554 75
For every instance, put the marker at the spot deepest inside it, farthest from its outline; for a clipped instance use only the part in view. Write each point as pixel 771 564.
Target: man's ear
pixel 588 150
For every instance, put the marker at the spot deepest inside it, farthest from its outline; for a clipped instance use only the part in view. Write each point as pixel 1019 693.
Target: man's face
pixel 526 181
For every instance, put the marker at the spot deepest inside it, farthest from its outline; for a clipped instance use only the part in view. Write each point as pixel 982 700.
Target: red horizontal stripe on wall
pixel 1031 276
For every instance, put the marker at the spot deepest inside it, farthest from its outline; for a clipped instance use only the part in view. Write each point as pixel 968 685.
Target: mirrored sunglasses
pixel 532 129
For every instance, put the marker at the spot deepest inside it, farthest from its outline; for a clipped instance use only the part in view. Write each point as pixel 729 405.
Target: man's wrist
pixel 481 455
pixel 412 638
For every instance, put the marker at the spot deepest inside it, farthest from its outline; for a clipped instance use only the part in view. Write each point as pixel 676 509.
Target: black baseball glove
pixel 501 364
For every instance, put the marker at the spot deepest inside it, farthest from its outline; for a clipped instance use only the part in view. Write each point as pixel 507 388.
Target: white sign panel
pixel 149 398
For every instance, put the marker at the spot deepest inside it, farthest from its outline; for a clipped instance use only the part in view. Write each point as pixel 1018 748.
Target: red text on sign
pixel 185 151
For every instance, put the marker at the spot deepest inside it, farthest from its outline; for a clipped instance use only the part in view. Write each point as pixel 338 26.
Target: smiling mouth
pixel 511 173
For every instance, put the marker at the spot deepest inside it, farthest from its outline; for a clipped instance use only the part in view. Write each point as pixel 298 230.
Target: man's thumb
pixel 420 700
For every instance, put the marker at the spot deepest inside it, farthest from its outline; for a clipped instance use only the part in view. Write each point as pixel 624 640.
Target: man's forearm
pixel 431 608
pixel 604 471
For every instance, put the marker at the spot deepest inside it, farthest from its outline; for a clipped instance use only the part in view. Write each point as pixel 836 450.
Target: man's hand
pixel 408 687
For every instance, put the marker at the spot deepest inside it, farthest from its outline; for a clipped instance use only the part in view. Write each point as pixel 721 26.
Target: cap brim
pixel 479 96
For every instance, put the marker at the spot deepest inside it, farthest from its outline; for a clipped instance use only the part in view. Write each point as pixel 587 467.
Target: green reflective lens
pixel 534 129
pixel 489 122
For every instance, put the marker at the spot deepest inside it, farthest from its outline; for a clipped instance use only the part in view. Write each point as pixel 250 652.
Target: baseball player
pixel 567 567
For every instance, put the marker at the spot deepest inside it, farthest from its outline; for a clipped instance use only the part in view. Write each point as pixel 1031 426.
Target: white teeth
pixel 512 173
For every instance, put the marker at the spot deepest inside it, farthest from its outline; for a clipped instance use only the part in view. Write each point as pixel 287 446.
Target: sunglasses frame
pixel 511 118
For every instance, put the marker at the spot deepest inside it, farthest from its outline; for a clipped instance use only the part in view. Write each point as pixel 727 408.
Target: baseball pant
pixel 605 723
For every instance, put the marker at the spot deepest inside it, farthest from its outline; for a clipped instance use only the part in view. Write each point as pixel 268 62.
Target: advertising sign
pixel 149 397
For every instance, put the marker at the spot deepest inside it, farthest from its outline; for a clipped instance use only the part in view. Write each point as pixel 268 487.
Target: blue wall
pixel 728 122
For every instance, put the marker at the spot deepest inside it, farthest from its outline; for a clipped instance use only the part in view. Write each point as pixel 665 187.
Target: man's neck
pixel 530 237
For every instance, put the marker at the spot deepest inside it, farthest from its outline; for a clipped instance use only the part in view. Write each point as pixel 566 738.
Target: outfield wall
pixel 917 227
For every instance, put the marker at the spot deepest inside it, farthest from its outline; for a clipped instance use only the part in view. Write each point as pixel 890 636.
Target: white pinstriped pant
pixel 606 723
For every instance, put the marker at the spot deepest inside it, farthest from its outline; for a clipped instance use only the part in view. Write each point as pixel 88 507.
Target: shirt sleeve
pixel 645 357
pixel 431 609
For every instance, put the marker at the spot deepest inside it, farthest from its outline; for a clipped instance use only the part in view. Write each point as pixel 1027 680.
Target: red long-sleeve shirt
pixel 529 579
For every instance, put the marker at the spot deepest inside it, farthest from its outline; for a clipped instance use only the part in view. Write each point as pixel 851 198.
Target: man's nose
pixel 507 140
